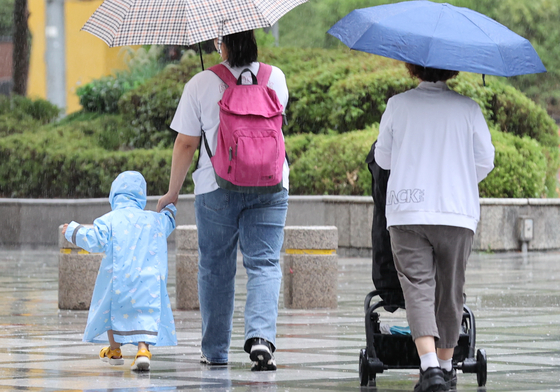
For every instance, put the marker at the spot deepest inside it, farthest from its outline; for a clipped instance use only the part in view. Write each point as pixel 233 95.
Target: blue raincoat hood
pixel 128 190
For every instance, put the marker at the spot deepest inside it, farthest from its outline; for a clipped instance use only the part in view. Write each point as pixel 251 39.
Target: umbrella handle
pixel 483 79
pixel 200 52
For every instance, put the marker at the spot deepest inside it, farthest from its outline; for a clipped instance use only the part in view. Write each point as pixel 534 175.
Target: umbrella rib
pixel 118 31
pixel 439 36
pixel 490 38
pixel 433 31
pixel 181 22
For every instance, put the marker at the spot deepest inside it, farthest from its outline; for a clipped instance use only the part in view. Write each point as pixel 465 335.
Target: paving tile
pixel 515 299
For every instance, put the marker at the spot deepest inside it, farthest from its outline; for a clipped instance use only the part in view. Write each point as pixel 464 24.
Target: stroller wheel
pixel 481 367
pixel 364 370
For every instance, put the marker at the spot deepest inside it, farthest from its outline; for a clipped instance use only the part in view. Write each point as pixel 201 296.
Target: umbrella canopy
pixel 438 35
pixel 181 22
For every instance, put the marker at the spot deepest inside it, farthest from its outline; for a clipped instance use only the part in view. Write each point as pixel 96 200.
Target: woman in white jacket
pixel 437 146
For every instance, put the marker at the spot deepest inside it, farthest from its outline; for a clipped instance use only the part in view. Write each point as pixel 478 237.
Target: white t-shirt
pixel 438 147
pixel 198 109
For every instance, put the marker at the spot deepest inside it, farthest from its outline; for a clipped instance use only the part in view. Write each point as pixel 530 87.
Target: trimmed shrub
pixel 293 61
pixel 108 131
pixel 151 107
pixel 335 165
pixel 361 99
pixel 102 95
pixel 6 17
pixel 509 109
pixel 19 114
pixel 330 164
pixel 69 161
pixel 512 112
pixel 520 168
pixel 337 90
pixel 74 160
pixel 312 99
pixel 331 94
pixel 310 73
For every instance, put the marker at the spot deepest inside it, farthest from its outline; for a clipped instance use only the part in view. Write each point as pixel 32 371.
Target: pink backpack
pixel 250 153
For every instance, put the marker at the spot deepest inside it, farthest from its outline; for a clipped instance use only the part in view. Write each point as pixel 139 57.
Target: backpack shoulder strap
pixel 224 73
pixel 264 74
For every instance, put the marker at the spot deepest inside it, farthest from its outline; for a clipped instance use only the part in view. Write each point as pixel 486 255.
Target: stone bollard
pixel 77 272
pixel 310 267
pixel 186 240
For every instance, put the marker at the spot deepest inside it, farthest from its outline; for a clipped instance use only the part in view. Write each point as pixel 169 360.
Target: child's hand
pixel 64 227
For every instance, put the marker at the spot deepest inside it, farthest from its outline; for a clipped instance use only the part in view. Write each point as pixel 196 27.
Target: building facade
pixel 85 57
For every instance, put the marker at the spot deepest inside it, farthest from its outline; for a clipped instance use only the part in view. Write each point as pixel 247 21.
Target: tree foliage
pixel 6 17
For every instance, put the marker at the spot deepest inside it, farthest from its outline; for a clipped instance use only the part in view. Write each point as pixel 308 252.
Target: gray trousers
pixel 431 262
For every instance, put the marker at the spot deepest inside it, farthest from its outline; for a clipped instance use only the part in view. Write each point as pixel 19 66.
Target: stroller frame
pixel 384 351
pixel 375 358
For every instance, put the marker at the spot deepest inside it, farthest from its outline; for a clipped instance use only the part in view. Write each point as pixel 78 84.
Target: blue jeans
pixel 256 221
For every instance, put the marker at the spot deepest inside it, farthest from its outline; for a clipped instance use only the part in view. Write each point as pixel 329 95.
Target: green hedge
pixel 150 108
pixel 514 113
pixel 359 99
pixel 313 95
pixel 335 165
pixel 70 160
pixel 19 114
pixel 332 93
pixel 520 168
pixel 338 90
pixel 330 164
pixel 102 95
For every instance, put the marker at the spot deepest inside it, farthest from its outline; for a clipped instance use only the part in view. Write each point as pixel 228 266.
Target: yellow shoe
pixel 108 355
pixel 142 360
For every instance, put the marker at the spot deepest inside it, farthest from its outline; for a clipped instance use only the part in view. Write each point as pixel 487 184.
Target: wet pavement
pixel 515 299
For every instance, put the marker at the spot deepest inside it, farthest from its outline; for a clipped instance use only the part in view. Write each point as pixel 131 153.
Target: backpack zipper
pixel 230 158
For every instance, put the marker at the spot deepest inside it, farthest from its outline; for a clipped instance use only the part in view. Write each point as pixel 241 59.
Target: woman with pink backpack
pixel 234 111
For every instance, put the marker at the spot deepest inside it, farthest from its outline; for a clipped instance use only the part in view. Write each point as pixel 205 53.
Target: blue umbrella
pixel 438 35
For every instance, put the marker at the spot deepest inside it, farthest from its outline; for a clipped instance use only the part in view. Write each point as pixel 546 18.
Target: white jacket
pixel 438 147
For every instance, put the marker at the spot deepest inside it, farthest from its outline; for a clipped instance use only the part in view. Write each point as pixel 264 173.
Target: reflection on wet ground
pixel 516 301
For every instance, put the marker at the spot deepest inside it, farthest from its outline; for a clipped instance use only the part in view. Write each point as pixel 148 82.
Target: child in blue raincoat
pixel 130 302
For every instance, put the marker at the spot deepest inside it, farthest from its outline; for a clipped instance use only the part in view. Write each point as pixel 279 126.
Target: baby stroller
pixel 398 351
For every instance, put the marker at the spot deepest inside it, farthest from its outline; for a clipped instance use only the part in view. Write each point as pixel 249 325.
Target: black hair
pixel 430 74
pixel 241 48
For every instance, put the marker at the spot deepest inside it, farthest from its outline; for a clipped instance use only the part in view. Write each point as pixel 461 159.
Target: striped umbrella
pixel 181 22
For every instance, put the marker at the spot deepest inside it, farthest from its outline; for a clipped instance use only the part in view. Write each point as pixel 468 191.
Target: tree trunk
pixel 21 47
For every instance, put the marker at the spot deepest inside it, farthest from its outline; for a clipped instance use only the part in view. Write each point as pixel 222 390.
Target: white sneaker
pixel 261 355
pixel 206 361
